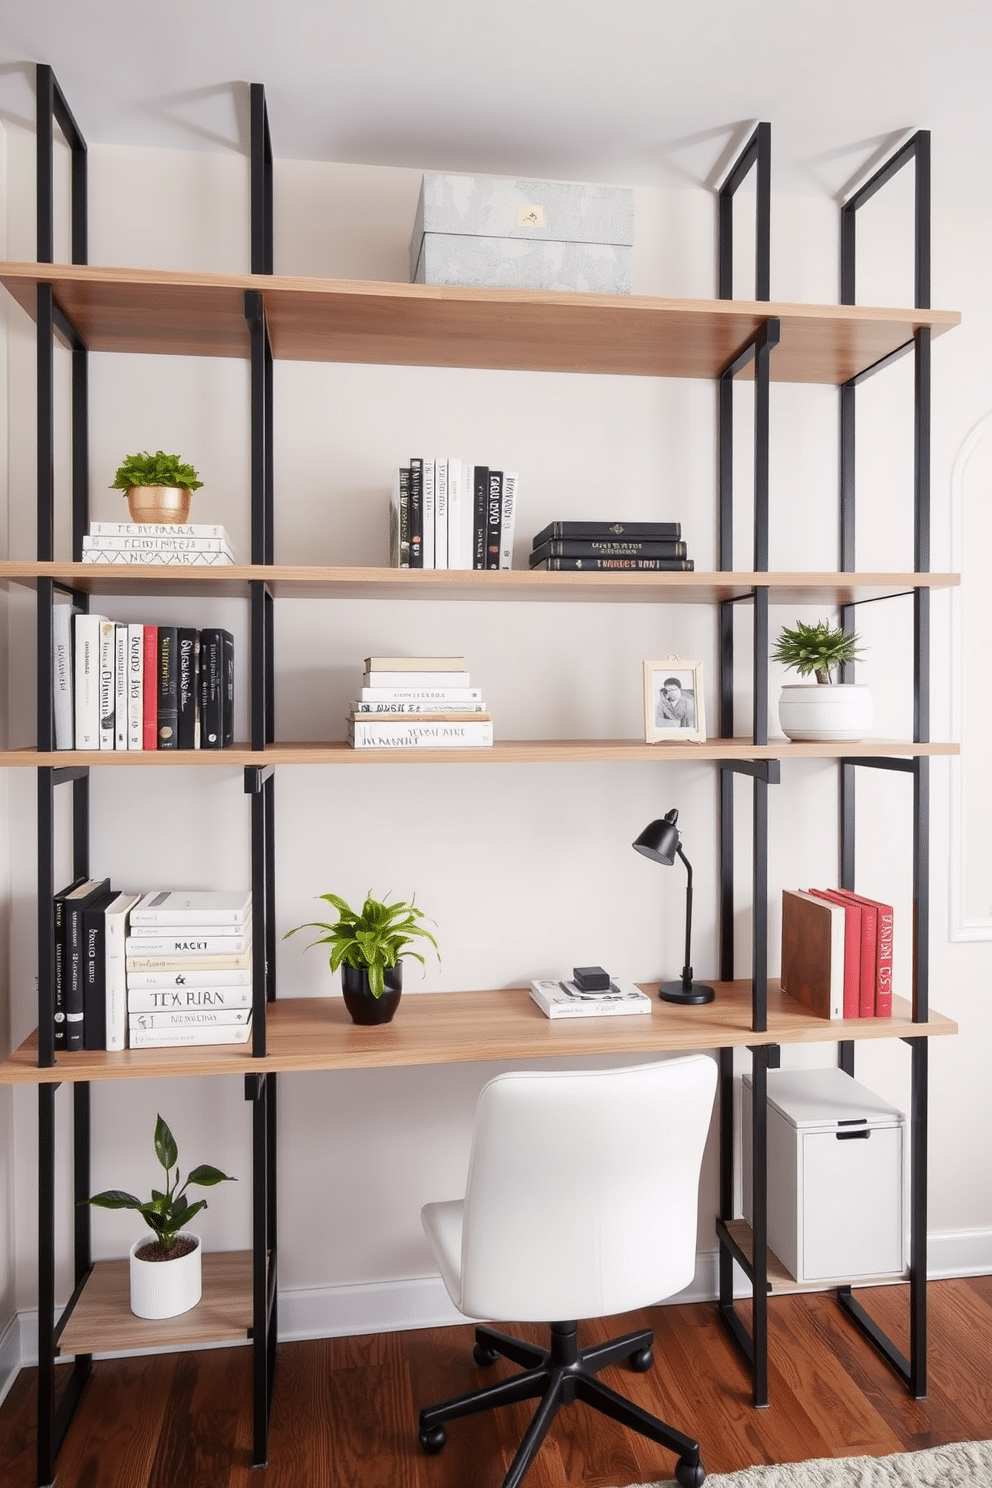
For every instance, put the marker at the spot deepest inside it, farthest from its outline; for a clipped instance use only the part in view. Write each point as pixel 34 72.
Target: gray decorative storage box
pixel 494 232
pixel 836 1164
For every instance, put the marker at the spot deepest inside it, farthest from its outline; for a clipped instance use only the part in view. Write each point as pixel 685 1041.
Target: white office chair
pixel 581 1202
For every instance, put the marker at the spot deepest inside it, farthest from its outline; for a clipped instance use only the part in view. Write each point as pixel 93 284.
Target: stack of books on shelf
pixel 599 547
pixel 158 542
pixel 188 969
pixel 133 686
pixel 138 971
pixel 418 702
pixel 837 952
pixel 452 514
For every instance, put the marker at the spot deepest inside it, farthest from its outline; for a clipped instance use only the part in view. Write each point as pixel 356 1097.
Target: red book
pixel 880 918
pixel 149 716
pixel 853 933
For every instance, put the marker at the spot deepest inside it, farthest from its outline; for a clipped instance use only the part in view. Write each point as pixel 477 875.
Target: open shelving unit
pixel 264 318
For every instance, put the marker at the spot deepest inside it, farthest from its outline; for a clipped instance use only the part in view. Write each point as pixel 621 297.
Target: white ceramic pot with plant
pixel 159 487
pixel 166 1267
pixel 369 945
pixel 822 708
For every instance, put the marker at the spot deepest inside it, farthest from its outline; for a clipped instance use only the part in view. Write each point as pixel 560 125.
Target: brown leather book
pixel 813 952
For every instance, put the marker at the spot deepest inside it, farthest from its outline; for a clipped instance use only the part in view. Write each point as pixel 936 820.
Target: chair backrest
pixel 582 1190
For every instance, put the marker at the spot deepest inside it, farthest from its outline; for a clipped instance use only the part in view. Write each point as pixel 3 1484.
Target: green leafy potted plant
pixel 159 487
pixel 368 946
pixel 823 708
pixel 166 1269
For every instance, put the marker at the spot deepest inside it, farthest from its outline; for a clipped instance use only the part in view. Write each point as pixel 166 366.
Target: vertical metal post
pixel 259 1089
pixel 759 1211
pixel 920 1054
pixel 46 930
pixel 727 1162
pixel 261 182
pixel 46 1284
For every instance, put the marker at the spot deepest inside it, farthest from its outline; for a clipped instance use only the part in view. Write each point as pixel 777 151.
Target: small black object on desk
pixel 591 978
pixel 661 842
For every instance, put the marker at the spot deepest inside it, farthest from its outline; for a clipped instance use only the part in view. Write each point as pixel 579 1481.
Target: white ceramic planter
pixel 161 1289
pixel 814 710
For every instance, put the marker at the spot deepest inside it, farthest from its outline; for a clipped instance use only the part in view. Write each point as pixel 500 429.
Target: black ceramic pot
pixel 363 1007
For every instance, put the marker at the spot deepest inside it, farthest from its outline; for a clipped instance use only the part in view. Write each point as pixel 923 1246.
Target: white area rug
pixel 965 1465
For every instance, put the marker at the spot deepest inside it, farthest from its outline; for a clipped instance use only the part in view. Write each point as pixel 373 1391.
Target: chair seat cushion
pixel 443 1224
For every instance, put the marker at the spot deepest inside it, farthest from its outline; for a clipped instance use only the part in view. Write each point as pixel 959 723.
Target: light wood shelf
pixel 465 1027
pixel 102 1321
pixel 286 581
pixel 781 1281
pixel 502 752
pixel 336 320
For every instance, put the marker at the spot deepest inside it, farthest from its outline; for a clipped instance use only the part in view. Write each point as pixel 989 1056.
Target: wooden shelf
pixel 503 752
pixel 781 1281
pixel 286 581
pixel 466 1027
pixel 335 320
pixel 102 1321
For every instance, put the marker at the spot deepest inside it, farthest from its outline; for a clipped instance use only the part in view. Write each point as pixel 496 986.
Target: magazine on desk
pixel 564 1000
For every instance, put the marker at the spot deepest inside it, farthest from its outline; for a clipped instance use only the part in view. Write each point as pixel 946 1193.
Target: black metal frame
pixel 915 152
pixel 56 1411
pixel 755 1265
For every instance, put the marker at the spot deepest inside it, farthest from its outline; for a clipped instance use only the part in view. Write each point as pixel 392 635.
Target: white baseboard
pixel 422 1302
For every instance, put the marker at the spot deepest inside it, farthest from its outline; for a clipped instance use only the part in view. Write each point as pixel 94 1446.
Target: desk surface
pixel 471 1027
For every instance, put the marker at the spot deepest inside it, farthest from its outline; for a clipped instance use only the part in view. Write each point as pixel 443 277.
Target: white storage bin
pixel 836 1176
pixel 496 232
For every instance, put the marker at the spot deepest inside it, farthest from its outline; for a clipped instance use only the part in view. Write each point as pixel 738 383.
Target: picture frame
pixel 674 711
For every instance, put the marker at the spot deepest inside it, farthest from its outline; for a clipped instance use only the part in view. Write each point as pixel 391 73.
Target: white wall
pixel 526 870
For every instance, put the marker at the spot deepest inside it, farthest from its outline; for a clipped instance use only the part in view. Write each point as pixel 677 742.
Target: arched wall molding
pixel 964 925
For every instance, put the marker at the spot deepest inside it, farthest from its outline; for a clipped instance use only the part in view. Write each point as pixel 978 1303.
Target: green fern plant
pixel 375 937
pixel 158 469
pixel 816 650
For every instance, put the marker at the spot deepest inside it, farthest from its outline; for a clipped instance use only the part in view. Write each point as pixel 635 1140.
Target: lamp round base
pixel 696 992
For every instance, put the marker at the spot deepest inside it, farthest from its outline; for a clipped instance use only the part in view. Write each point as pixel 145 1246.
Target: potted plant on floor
pixel 165 1270
pixel 159 487
pixel 369 946
pixel 823 708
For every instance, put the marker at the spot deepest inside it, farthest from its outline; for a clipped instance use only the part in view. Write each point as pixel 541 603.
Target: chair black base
pixel 557 1376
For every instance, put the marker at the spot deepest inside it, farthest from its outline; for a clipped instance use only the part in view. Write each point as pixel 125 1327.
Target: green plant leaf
pixel 114 1198
pixel 206 1176
pixel 165 1145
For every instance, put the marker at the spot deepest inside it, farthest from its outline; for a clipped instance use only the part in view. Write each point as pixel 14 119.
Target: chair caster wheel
pixel 690 1474
pixel 483 1355
pixel 641 1360
pixel 433 1441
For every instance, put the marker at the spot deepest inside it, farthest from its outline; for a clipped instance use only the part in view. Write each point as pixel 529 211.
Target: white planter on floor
pixel 815 710
pixel 161 1289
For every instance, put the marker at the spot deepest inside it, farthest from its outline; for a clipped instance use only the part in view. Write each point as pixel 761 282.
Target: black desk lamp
pixel 661 842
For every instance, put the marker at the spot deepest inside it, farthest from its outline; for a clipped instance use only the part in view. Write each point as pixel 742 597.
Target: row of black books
pixel 170 544
pixel 601 547
pixel 418 702
pixel 136 686
pixel 450 513
pixel 150 970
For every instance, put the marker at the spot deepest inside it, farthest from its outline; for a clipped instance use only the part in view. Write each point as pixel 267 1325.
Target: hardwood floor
pixel 345 1410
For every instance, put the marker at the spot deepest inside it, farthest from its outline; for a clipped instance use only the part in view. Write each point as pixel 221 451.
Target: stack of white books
pixel 172 544
pixel 418 702
pixel 188 968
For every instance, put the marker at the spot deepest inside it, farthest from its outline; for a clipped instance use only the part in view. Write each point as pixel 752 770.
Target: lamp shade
pixel 660 840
